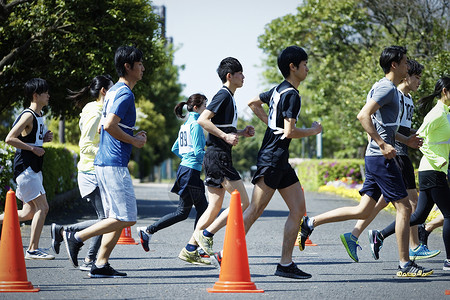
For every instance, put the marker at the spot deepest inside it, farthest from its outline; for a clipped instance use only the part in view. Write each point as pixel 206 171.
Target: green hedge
pixel 314 172
pixel 59 170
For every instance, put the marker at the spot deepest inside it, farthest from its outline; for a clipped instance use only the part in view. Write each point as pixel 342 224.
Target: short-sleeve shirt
pixel 284 102
pixel 385 119
pixel 405 118
pixel 225 117
pixel 119 100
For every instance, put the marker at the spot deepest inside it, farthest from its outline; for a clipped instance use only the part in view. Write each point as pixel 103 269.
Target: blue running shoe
pixel 376 243
pixel 422 252
pixel 351 245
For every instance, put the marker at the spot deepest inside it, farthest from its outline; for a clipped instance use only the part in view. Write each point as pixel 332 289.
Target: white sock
pixel 311 223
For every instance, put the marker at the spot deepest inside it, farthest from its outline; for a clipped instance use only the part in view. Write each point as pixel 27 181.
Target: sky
pixel 206 31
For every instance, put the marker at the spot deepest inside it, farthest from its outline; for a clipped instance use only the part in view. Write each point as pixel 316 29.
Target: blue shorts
pixel 383 177
pixel 117 192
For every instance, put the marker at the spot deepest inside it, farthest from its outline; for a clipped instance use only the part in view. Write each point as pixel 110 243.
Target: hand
pixel 140 139
pixel 38 151
pixel 231 138
pixel 249 131
pixel 388 151
pixel 317 127
pixel 48 137
pixel 414 141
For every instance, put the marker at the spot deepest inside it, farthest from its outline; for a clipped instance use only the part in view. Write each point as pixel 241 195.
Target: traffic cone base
pixel 13 272
pixel 125 237
pixel 17 286
pixel 234 287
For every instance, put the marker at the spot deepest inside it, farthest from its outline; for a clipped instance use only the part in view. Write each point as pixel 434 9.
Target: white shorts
pixel 117 192
pixel 87 183
pixel 29 185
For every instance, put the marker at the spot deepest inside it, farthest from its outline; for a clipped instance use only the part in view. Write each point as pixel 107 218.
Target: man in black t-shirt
pixel 219 119
pixel 274 171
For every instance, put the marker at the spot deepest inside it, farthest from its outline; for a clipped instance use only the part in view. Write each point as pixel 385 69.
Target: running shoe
pixel 73 246
pixel 423 234
pixel 413 270
pixel 216 259
pixel 446 265
pixel 57 237
pixel 350 245
pixel 86 266
pixel 193 257
pixel 376 243
pixel 206 243
pixel 202 253
pixel 291 271
pixel 145 237
pixel 422 252
pixel 105 272
pixel 38 254
pixel 303 234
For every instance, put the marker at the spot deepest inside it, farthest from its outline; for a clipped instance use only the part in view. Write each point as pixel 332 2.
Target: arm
pixel 413 141
pixel 112 127
pixel 205 121
pixel 198 140
pixel 292 132
pixel 176 149
pixel 364 117
pixel 24 124
pixel 256 106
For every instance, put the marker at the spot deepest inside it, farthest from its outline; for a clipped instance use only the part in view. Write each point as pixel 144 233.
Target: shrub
pixel 314 173
pixel 6 171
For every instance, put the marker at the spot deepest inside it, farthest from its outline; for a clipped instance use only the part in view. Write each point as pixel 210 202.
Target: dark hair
pixel 389 55
pixel 228 65
pixel 425 104
pixel 292 54
pixel 92 91
pixel 193 100
pixel 126 54
pixel 414 68
pixel 35 85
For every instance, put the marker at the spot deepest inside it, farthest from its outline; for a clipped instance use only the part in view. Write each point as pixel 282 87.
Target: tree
pixel 344 40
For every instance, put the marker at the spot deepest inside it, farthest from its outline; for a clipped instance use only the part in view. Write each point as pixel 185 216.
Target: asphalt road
pixel 159 274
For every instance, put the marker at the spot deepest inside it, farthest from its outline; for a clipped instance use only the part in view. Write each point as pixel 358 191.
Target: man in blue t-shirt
pixel 274 171
pixel 114 180
pixel 379 118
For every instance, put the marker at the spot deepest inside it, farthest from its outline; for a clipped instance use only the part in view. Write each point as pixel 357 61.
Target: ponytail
pixel 178 110
pixel 92 91
pixel 193 100
pixel 425 104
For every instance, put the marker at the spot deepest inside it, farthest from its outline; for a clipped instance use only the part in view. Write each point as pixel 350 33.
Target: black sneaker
pixel 303 234
pixel 291 271
pixel 423 234
pixel 57 237
pixel 413 270
pixel 105 272
pixel 73 246
pixel 376 243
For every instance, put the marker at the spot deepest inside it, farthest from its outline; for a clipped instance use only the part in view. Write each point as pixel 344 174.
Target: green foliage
pixel 6 171
pixel 59 170
pixel 344 40
pixel 314 173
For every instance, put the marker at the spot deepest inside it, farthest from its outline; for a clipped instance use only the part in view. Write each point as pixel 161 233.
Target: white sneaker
pixel 38 254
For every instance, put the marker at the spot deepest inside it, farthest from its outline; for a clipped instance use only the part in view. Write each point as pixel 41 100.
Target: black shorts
pixel 407 169
pixel 276 178
pixel 218 166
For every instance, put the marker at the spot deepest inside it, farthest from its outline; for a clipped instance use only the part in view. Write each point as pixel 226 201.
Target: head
pixel 36 86
pixel 196 102
pixel 291 55
pixel 95 90
pixel 441 91
pixel 392 57
pixel 126 55
pixel 412 80
pixel 229 65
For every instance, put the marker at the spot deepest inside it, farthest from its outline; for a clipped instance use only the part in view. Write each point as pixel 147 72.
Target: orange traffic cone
pixel 13 272
pixel 234 272
pixel 125 237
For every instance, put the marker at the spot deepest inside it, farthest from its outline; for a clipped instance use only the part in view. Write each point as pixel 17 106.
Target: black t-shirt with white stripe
pixel 284 102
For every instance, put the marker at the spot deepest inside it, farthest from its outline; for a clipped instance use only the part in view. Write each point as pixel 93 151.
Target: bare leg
pixel 261 196
pixel 435 223
pixel 37 223
pixel 363 223
pixel 109 241
pixel 402 227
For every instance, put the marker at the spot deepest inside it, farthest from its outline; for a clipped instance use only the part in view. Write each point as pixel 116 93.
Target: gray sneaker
pixel 86 266
pixel 206 243
pixel 38 254
pixel 193 257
